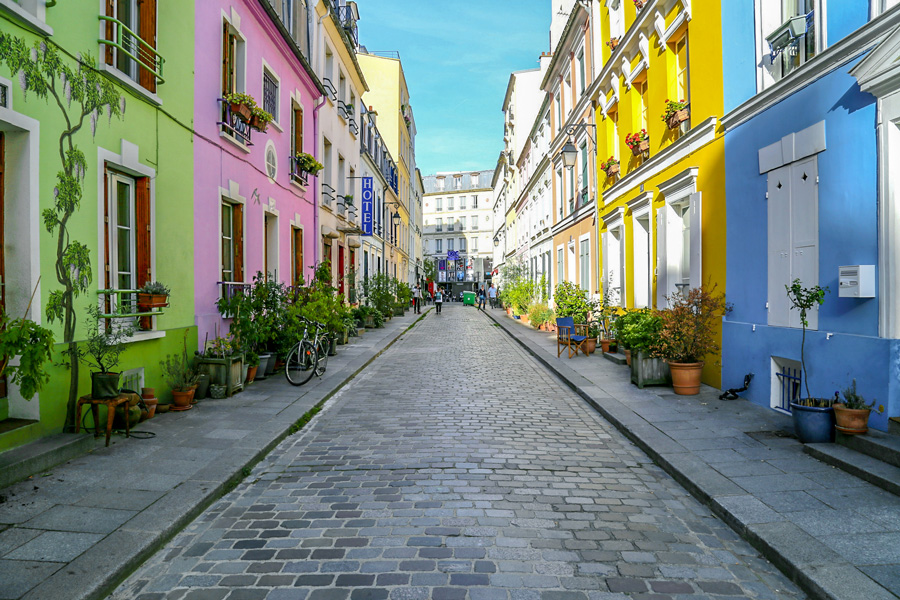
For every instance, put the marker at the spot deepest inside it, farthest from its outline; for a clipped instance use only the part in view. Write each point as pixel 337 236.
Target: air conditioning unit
pixel 856 281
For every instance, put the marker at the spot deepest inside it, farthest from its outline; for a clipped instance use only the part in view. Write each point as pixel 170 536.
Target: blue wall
pixel 848 234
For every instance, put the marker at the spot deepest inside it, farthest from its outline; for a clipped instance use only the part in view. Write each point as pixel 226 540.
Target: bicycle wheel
pixel 321 357
pixel 300 364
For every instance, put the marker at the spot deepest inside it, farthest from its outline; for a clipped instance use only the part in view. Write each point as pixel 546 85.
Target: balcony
pixel 354 128
pixel 344 110
pixel 327 194
pixel 127 42
pixel 233 125
pixel 348 16
pixel 330 90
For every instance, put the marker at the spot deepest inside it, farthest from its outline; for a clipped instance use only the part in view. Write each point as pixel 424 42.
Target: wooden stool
pixel 111 404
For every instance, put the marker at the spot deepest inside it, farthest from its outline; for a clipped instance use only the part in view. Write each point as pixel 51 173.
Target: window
pixel 641 242
pixel 474 244
pixel 462 244
pixel 581 72
pixel 559 121
pixel 440 184
pixel 270 246
pixel 782 49
pixel 678 247
pixel 614 263
pixel 297 278
pixel 440 225
pixel 457 182
pixel 793 237
pixel 437 204
pixel 270 94
pixel 450 203
pixel 131 31
pixel 584 173
pixel 462 223
pixel 439 246
pixel 232 242
pixel 571 190
pixel 449 224
pixel 567 93
pixel 462 202
pixel 449 244
pixel 584 265
pixel 682 70
pixel 559 192
pixel 560 265
pixel 474 201
pixel 641 88
pixel 474 222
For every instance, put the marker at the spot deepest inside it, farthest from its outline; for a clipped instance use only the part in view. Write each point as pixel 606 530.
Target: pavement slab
pixel 77 530
pixel 457 466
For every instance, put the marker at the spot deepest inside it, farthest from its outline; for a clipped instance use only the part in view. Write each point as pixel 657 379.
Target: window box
pixel 234 124
pixel 788 31
pixel 678 117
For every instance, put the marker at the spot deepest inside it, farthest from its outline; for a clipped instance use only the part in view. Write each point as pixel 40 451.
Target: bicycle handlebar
pixel 311 322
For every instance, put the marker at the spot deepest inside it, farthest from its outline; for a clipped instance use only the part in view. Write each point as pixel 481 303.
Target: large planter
pixel 370 322
pixel 263 365
pixel 226 371
pixel 270 366
pixel 590 344
pixel 677 118
pixel 202 387
pixel 812 424
pixel 104 385
pixel 251 373
pixel 852 421
pixel 181 399
pixel 649 370
pixel 686 377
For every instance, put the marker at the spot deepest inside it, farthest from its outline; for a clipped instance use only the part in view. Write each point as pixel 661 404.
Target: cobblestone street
pixel 456 465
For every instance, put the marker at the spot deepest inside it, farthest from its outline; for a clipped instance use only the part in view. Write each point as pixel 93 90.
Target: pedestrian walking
pixel 438 300
pixel 481 298
pixel 417 299
pixel 492 295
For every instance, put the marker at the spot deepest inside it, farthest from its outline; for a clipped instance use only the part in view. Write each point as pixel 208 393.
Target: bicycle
pixel 307 357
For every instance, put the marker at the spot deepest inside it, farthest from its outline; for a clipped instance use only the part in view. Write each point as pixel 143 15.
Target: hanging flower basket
pixel 639 4
pixel 610 166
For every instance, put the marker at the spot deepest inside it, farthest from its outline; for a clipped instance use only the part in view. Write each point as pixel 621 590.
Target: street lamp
pixel 569 155
pixel 569 152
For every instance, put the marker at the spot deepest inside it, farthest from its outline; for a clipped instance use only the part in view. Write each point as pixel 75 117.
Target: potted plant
pixel 32 344
pixel 260 119
pixel 687 335
pixel 639 4
pixel 101 350
pixel 612 43
pixel 640 331
pixel 540 315
pixel 638 142
pixel 153 294
pixel 594 333
pixel 252 365
pixel 242 105
pixel 852 415
pixel 307 163
pixel 610 166
pixel 676 113
pixel 181 378
pixel 813 417
pixel 572 301
pixel 222 360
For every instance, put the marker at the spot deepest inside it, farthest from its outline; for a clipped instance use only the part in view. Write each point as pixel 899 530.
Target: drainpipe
pixel 316 234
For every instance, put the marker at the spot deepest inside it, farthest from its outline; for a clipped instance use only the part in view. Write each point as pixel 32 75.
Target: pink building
pixel 253 211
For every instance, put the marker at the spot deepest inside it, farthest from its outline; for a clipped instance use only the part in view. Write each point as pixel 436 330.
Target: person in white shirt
pixel 417 299
pixel 492 294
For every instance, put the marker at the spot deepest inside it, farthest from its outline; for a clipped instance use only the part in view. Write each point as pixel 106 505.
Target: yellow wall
pixel 706 98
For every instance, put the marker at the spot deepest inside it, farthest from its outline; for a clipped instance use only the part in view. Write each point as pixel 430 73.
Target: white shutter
pixel 804 232
pixel 779 246
pixel 661 266
pixel 604 243
pixel 696 249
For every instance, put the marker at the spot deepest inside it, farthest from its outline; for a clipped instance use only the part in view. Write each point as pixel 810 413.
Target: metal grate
pixel 132 380
pixel 4 95
pixel 790 379
pixel 270 95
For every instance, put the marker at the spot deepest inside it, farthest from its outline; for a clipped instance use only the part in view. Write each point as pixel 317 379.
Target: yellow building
pixel 389 97
pixel 662 216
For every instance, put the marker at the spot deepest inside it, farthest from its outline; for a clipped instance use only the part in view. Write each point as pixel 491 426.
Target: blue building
pixel 811 126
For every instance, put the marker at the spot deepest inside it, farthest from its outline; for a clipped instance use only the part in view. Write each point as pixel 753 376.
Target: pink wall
pixel 219 161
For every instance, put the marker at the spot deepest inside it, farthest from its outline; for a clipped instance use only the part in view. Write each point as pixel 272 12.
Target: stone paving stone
pixel 55 546
pixel 19 576
pixel 503 484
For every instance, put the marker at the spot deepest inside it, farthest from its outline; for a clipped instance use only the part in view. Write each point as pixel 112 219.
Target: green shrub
pixel 572 301
pixel 539 314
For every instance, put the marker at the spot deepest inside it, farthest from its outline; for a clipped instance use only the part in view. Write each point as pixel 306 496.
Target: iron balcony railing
pixel 123 304
pixel 230 289
pixel 354 128
pixel 298 175
pixel 131 45
pixel 233 125
pixel 343 109
pixel 327 194
pixel 329 89
pixel 345 16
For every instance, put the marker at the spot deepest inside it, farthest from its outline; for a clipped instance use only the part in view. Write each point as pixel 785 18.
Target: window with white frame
pixel 614 258
pixel 560 265
pixel 450 203
pixel 438 204
pixel 641 243
pixel 679 235
pixel 584 264
pixel 790 33
pixel 474 222
pixel 449 244
pixel 581 73
pixel 122 230
pixel 439 245
pixel 616 19
pixel 130 28
pixel 559 121
pixel 793 237
pixel 462 202
pixel 462 223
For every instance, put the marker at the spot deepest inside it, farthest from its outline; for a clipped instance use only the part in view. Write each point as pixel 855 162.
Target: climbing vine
pixel 83 96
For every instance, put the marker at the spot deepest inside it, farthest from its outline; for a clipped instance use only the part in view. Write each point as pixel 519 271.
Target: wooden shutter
pixel 142 231
pixel 298 130
pixel 147 32
pixel 110 30
pixel 298 257
pixel 237 236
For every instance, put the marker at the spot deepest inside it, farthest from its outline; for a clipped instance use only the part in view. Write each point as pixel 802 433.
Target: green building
pixel 121 193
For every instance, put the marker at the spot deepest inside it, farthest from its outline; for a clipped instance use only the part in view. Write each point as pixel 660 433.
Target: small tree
pixel 804 299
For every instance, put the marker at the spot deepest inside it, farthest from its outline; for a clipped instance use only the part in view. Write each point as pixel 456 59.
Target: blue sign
pixel 368 204
pixel 453 255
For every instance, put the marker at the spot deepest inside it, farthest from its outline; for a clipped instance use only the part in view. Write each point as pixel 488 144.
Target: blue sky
pixel 457 56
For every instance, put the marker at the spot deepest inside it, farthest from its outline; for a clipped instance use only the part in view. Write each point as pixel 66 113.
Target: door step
pixel 874 458
pixel 615 357
pixel 884 447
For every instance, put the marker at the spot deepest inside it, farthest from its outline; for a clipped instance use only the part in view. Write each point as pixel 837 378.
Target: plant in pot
pixel 540 315
pixel 154 294
pixel 639 142
pixel 813 417
pixel 676 113
pixel 852 415
pixel 608 314
pixel 181 378
pixel 242 105
pixel 104 345
pixel 640 331
pixel 610 166
pixel 307 163
pixel 260 119
pixel 32 345
pixel 594 333
pixel 687 335
pixel 572 301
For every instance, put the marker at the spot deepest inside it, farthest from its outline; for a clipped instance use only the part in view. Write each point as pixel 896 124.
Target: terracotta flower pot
pixel 590 345
pixel 242 111
pixel 677 118
pixel 686 377
pixel 628 356
pixel 612 170
pixel 181 399
pixel 852 421
pixel 151 406
pixel 258 124
pixel 251 373
pixel 147 393
pixel 604 345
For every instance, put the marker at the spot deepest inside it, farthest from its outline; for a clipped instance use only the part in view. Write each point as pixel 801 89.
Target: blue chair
pixel 567 337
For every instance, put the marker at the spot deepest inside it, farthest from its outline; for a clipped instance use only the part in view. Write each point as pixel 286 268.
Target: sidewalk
pixel 837 536
pixel 79 530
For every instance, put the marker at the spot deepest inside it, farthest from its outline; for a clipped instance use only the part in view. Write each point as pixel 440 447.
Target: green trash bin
pixel 469 298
